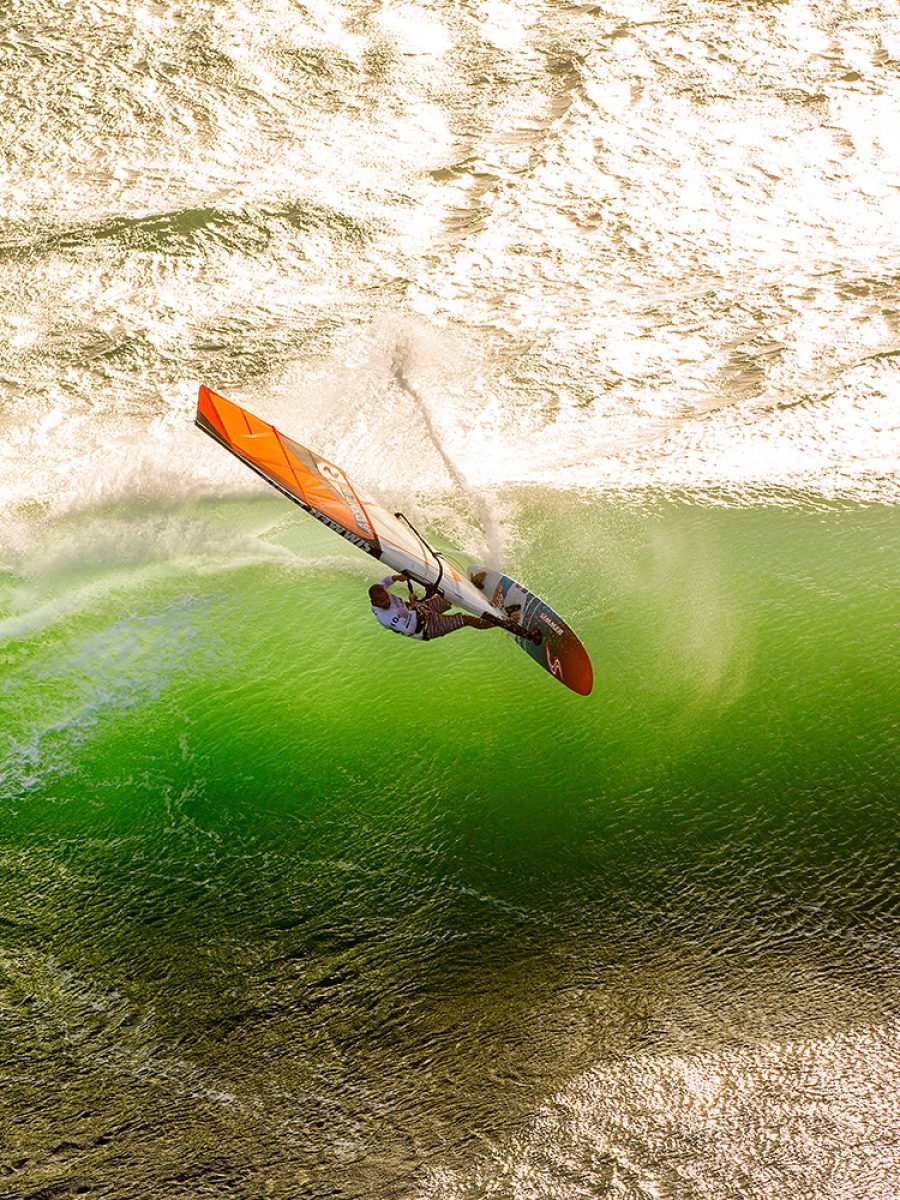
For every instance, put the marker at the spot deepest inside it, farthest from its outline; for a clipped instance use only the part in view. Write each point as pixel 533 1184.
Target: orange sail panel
pixel 312 482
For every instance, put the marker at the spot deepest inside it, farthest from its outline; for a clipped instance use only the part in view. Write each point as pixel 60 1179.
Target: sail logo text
pixel 345 533
pixel 336 476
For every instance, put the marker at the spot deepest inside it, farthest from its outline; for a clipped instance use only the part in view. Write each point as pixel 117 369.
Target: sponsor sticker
pixel 554 666
pixel 549 621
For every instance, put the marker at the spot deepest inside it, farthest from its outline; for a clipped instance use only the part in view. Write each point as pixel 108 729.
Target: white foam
pixel 624 251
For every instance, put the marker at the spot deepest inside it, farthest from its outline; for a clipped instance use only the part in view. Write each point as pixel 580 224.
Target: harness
pixel 421 629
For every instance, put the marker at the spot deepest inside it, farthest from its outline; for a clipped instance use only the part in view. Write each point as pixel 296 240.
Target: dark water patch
pixel 348 231
pixel 323 67
pixel 176 232
pixel 203 60
pixel 185 231
pixel 407 1008
pixel 307 217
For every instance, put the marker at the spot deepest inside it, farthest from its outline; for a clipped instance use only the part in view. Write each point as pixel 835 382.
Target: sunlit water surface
pixel 608 295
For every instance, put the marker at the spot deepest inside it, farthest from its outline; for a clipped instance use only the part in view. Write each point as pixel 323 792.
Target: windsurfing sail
pixel 315 484
pixel 322 489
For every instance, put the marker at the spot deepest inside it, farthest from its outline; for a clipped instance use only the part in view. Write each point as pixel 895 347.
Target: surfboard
pixel 559 650
pixel 322 489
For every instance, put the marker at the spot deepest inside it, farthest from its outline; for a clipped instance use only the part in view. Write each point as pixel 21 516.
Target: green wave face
pixel 736 652
pixel 261 856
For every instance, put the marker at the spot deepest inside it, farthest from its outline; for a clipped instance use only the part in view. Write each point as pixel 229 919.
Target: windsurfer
pixel 425 619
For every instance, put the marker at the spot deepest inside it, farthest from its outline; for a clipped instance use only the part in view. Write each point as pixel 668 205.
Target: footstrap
pixel 513 627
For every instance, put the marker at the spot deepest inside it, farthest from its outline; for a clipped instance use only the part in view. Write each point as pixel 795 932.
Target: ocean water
pixel 605 294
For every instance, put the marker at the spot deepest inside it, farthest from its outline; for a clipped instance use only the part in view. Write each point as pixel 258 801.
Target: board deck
pixel 560 651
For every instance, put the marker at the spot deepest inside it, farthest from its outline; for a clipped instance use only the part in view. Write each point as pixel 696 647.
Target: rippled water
pixel 609 294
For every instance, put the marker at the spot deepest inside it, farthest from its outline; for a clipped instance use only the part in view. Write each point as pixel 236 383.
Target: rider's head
pixel 379 596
